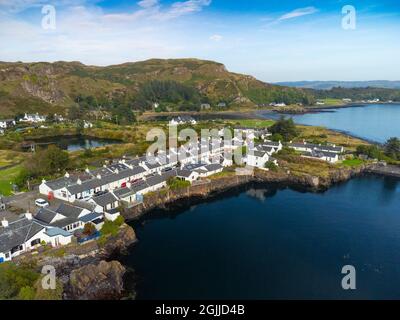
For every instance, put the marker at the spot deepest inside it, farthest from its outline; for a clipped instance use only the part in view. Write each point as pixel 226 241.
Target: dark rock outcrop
pixel 118 244
pixel 102 281
pixel 213 187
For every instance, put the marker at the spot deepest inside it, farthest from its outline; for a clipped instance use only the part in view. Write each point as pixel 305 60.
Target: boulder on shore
pixel 102 281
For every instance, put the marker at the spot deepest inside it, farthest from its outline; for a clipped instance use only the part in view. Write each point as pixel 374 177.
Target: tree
pixel 285 127
pixel 43 162
pixel 17 281
pixel 89 229
pixel 392 148
pixel 372 151
pixel 271 166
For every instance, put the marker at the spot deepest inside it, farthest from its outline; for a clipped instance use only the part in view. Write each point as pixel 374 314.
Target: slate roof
pixel 69 211
pixel 214 167
pixel 85 186
pixel 155 180
pixel 18 232
pixel 123 192
pixel 64 222
pixel 259 154
pixel 317 147
pixel 183 173
pixel 45 215
pixel 104 199
pixel 271 143
pixel 91 216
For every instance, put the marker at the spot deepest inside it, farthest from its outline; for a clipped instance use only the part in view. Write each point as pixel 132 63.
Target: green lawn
pixel 7 176
pixel 254 123
pixel 352 162
pixel 332 102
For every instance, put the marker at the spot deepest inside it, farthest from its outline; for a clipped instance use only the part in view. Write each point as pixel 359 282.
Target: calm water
pixel 74 143
pixel 269 244
pixel 373 122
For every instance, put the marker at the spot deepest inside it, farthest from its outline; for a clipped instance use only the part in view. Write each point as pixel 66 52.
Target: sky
pixel 273 40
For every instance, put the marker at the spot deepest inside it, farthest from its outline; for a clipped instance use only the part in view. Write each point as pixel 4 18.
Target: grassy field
pixel 333 102
pixel 322 135
pixel 7 177
pixel 8 157
pixel 352 162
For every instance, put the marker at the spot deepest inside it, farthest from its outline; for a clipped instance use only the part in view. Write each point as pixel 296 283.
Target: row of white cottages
pixel 329 153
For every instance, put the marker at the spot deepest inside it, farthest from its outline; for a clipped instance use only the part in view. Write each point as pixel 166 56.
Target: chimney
pixel 28 215
pixel 98 176
pixel 66 175
pixel 87 170
pixel 129 185
pixel 4 223
pixel 43 181
pixel 79 181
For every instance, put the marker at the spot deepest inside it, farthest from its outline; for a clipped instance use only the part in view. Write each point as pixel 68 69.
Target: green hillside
pixel 57 87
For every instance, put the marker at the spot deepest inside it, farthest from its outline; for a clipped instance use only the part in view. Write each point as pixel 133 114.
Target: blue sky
pixel 269 39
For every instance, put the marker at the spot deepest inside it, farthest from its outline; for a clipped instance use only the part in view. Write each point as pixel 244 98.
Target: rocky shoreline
pixel 93 272
pixel 200 192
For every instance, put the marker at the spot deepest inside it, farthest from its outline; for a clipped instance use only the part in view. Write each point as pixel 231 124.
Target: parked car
pixel 41 203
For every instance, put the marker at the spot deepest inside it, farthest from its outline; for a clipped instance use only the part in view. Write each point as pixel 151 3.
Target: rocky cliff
pixel 213 187
pixel 102 281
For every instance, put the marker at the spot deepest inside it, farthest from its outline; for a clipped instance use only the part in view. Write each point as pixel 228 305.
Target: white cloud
pixel 147 3
pixel 152 9
pixel 185 7
pixel 216 37
pixel 298 13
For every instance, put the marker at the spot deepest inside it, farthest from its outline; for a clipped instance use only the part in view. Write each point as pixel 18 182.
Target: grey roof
pixel 84 204
pixel 123 192
pixel 317 147
pixel 55 231
pixel 155 180
pixel 117 166
pixel 18 232
pixel 152 165
pixel 194 166
pixel 139 186
pixel 320 154
pixel 271 143
pixel 136 161
pixel 138 170
pixel 85 186
pixel 214 167
pixel 183 173
pixel 259 154
pixel 64 222
pixel 91 216
pixel 265 148
pixel 104 199
pixel 101 171
pixel 45 215
pixel 69 211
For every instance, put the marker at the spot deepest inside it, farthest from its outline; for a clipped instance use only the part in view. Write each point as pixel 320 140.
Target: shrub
pixel 175 183
pixel 119 221
pixel 271 166
pixel 89 229
pixel 17 281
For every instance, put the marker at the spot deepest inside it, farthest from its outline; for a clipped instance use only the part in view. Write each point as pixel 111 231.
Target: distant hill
pixel 181 83
pixel 327 85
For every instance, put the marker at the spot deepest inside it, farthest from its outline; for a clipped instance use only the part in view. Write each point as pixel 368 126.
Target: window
pixel 35 242
pixel 16 249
